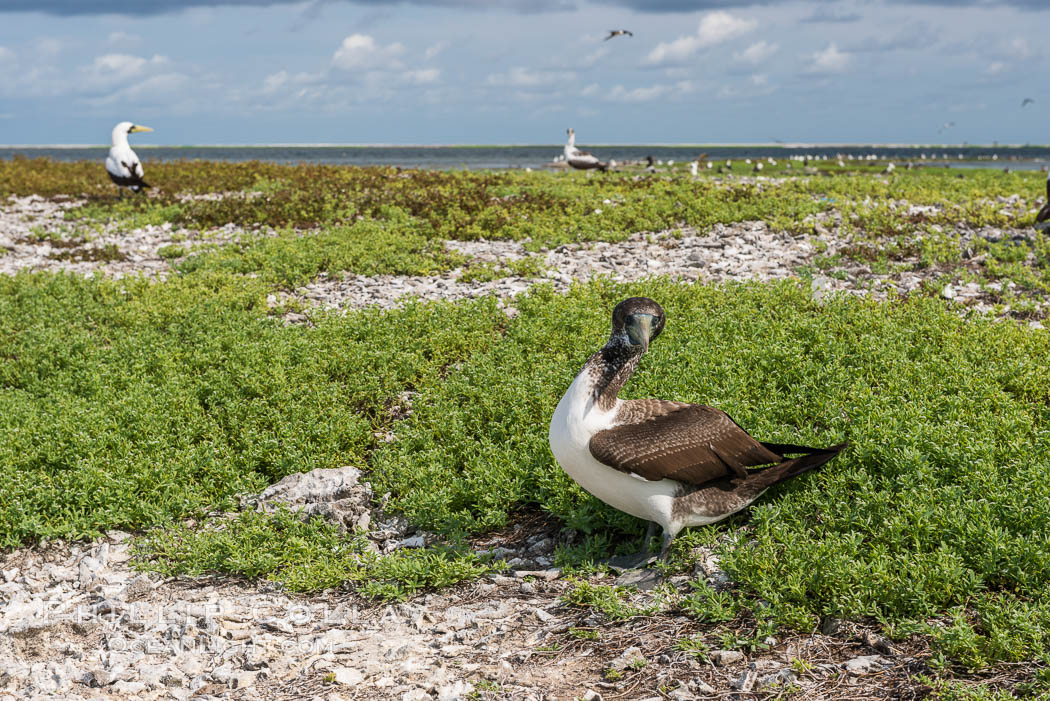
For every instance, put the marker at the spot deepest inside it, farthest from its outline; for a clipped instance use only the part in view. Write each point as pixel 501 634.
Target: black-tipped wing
pixel 135 182
pixel 690 443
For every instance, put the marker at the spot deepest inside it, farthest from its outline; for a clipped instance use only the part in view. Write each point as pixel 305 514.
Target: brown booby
pixel 617 33
pixel 671 463
pixel 581 160
pixel 123 164
pixel 1042 220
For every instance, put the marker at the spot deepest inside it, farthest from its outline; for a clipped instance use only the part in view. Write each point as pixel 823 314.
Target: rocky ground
pixel 77 621
pixel 34 235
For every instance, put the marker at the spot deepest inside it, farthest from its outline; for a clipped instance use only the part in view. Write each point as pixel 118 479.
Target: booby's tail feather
pixel 790 449
pixel 793 467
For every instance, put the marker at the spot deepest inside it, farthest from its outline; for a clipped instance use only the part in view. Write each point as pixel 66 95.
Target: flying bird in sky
pixel 946 125
pixel 618 32
pixel 1027 101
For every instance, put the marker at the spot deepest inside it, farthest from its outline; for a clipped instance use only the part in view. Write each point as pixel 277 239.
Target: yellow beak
pixel 138 128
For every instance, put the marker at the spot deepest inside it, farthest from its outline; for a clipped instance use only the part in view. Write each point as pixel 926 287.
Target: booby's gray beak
pixel 137 128
pixel 638 326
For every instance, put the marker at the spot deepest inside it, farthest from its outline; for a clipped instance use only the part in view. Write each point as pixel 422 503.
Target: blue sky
pixel 513 71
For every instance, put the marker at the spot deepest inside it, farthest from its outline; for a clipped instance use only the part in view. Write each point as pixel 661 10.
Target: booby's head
pixel 121 131
pixel 636 321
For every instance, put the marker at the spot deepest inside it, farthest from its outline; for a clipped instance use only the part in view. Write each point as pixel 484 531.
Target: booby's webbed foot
pixel 633 561
pixel 641 579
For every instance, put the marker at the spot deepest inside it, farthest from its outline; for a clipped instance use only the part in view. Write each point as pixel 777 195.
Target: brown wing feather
pixel 691 443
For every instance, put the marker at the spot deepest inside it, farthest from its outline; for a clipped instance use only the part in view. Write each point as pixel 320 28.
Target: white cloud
pixel 424 76
pixel 715 28
pixel 6 54
pixel 111 68
pixel 273 82
pixel 592 58
pixel 756 85
pixel 589 90
pixel 829 60
pixel 433 51
pixel 360 51
pixel 756 53
pixel 622 94
pixel 1019 48
pixel 519 77
pixel 159 86
pixel 377 72
pixel 995 68
pixel 722 26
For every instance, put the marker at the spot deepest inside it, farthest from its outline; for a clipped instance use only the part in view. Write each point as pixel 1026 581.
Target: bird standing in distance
pixel 671 463
pixel 123 164
pixel 1027 101
pixel 581 160
pixel 617 33
pixel 1042 220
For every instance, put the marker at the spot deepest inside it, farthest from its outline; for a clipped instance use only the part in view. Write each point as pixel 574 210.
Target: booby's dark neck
pixel 609 369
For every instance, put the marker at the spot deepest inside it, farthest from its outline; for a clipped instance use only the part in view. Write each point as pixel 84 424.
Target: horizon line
pixel 763 144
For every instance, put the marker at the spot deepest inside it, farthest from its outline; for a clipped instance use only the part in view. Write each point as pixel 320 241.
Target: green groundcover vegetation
pixel 127 404
pixel 139 405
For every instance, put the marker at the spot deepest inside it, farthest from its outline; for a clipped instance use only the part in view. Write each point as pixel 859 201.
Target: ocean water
pixel 539 156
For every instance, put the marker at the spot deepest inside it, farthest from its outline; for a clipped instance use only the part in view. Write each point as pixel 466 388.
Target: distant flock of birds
pixel 583 160
pixel 125 168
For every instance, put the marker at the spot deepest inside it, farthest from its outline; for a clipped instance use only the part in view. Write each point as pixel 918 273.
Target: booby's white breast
pixel 118 157
pixel 575 421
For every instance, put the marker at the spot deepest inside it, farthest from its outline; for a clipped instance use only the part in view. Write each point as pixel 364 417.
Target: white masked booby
pixel 1042 220
pixel 671 463
pixel 617 33
pixel 581 160
pixel 122 164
